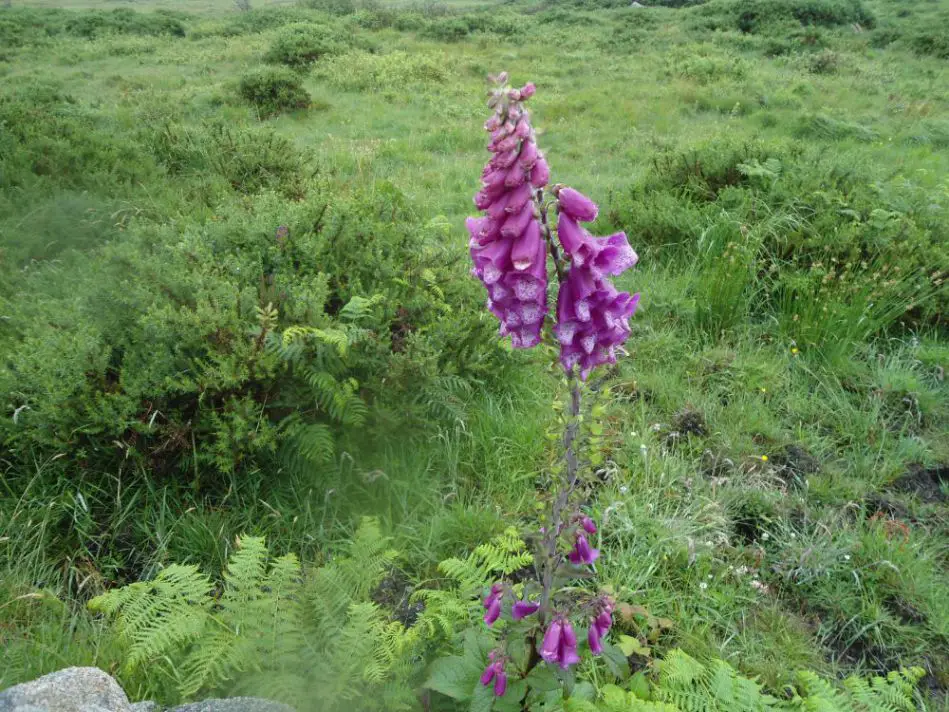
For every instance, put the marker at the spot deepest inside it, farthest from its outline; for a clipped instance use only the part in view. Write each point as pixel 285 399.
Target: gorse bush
pixel 775 17
pixel 26 26
pixel 210 336
pixel 273 91
pixel 299 45
pixel 249 161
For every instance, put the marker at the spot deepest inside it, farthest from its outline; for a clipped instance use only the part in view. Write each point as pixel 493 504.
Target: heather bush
pixel 273 91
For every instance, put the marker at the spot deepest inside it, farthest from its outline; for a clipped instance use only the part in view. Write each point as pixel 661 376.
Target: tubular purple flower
pixel 594 638
pixel 492 612
pixel 582 552
pixel 589 526
pixel 495 593
pixel 500 683
pixel 604 621
pixel 576 205
pixel 602 255
pixel 488 675
pixel 560 643
pixel 568 646
pixel 550 648
pixel 525 249
pixel 540 173
pixel 522 609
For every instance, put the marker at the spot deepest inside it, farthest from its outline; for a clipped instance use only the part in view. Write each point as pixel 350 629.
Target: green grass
pixel 772 446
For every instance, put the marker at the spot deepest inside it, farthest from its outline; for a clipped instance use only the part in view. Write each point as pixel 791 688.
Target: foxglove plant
pixel 513 247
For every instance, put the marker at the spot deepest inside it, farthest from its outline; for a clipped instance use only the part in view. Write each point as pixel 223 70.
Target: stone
pixel 146 706
pixel 74 689
pixel 234 704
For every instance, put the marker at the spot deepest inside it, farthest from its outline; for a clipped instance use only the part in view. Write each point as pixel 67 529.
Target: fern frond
pixel 360 307
pixel 336 338
pixel 156 618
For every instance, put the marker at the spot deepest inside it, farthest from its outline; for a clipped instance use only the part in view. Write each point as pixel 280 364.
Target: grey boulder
pixel 234 704
pixel 74 689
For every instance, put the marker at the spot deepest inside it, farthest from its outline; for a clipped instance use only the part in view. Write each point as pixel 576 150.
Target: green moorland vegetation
pixel 235 308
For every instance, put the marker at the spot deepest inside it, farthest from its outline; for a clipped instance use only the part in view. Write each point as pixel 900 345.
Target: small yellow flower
pixel 764 458
pixel 794 350
pixel 764 390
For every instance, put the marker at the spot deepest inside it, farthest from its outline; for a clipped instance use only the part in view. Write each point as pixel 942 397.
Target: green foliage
pixel 231 348
pixel 301 44
pixel 273 91
pixel 454 28
pixel 249 161
pixel 312 639
pixel 361 71
pixel 22 26
pixel 140 263
pixel 690 686
pixel 768 16
pixel 774 210
pixel 457 602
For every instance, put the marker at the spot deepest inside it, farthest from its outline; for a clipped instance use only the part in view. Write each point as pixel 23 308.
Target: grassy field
pixel 772 458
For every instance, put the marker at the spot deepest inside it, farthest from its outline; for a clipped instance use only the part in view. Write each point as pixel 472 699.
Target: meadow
pixel 236 304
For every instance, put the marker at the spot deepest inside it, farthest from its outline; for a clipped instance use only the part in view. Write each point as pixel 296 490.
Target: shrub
pixel 361 71
pixel 806 208
pixel 274 91
pixel 299 45
pixel 259 20
pixel 932 43
pixel 824 62
pixel 776 17
pixel 234 347
pixel 123 21
pixel 339 7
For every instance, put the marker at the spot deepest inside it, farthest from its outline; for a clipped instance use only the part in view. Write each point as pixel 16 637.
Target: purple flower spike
pixel 522 609
pixel 589 526
pixel 592 316
pixel 582 552
pixel 576 205
pixel 507 246
pixel 550 649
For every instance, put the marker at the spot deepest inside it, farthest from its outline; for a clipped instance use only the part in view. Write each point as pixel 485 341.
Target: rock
pixel 636 4
pixel 146 706
pixel 71 690
pixel 234 704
